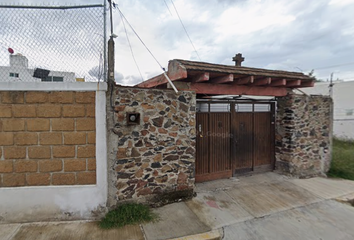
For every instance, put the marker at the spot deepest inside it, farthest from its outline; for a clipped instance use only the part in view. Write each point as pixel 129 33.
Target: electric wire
pixel 131 49
pixel 185 30
pixel 167 7
pixel 339 65
pixel 137 35
pixel 164 72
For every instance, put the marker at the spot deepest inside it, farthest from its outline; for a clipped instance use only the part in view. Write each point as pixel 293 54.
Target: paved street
pixel 263 206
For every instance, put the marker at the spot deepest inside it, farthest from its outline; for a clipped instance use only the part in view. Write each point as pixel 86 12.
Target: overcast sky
pixel 287 35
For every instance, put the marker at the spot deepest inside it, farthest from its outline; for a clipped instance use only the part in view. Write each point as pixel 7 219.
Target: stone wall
pixel 153 160
pixel 303 135
pixel 47 138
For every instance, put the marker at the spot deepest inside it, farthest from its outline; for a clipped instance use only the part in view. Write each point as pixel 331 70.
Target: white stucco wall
pixel 22 204
pixel 343 107
pixel 26 75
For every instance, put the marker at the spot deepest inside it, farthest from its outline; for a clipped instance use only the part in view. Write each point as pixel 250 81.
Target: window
pixel 16 75
pixel 220 107
pixel 53 79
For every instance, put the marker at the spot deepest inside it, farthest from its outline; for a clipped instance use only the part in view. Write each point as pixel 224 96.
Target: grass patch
pixel 127 214
pixel 342 160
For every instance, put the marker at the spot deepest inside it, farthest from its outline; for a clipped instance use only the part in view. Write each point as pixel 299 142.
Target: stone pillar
pixel 303 135
pixel 153 159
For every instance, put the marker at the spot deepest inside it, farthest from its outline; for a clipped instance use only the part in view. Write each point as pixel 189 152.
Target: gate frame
pixel 232 113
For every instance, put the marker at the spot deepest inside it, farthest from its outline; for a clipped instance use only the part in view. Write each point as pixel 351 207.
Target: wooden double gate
pixel 234 138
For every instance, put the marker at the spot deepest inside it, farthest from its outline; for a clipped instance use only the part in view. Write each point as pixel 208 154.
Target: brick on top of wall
pixel 61 97
pixel 12 97
pixel 37 97
pixel 85 97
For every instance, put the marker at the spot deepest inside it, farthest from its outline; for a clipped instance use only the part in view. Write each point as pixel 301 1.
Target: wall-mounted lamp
pixel 133 118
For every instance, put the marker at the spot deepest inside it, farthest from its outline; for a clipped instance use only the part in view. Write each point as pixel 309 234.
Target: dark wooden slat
pixel 243 140
pixel 262 81
pixel 278 82
pixel 202 77
pixel 293 83
pixel 307 84
pixel 223 79
pixel 262 138
pixel 245 80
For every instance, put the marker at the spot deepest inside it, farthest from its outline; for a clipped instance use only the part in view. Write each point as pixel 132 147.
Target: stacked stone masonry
pixel 47 138
pixel 303 135
pixel 156 156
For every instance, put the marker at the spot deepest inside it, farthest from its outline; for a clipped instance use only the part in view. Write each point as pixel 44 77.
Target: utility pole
pixel 331 86
pixel 111 48
pixel 104 41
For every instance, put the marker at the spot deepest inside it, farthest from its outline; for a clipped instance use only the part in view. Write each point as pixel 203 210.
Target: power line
pixel 164 72
pixel 116 5
pixel 167 7
pixel 339 65
pixel 130 46
pixel 185 29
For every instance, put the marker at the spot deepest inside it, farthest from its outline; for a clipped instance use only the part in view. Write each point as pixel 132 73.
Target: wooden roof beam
pixel 245 80
pixel 175 72
pixel 202 77
pixel 223 79
pixel 278 82
pixel 293 83
pixel 262 81
pixel 307 83
pixel 234 89
pixel 152 82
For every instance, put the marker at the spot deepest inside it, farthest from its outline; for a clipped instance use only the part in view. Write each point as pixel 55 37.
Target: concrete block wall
pixel 53 151
pixel 47 138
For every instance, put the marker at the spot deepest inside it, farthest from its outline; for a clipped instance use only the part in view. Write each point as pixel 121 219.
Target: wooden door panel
pixel 262 139
pixel 243 140
pixel 219 134
pixel 202 153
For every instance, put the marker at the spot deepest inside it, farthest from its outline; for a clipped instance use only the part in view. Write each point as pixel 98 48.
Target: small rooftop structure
pixel 216 79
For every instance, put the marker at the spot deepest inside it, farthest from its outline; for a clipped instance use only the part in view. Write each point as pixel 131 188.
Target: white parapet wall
pixel 43 203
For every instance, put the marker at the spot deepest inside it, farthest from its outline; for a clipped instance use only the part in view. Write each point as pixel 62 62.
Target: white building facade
pixel 18 71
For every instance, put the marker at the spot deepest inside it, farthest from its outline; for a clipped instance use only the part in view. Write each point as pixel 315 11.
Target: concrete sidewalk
pixel 263 206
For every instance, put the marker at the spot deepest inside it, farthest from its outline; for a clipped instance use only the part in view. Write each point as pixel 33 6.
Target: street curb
pixel 211 235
